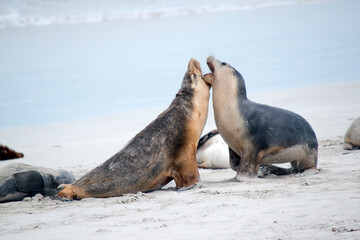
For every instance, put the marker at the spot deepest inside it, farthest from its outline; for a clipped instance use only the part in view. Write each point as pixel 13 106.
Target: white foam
pixel 22 13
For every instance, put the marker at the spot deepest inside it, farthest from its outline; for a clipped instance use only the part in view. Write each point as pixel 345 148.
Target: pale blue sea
pixel 62 62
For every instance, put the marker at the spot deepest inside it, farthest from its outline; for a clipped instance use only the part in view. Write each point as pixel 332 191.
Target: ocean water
pixel 49 12
pixel 70 60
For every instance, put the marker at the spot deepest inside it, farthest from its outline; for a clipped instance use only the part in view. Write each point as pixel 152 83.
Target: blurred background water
pixel 48 12
pixel 70 60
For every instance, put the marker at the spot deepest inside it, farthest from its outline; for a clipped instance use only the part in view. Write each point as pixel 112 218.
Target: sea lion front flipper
pixel 349 146
pixel 234 159
pixel 195 186
pixel 29 181
pixel 186 176
pixel 67 192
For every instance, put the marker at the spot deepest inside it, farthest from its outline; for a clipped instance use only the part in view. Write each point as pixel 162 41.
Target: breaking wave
pixel 22 13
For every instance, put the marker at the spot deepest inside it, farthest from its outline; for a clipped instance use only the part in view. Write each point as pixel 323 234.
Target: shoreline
pixel 67 72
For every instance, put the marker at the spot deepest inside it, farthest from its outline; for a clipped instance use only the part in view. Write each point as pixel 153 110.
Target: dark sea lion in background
pixel 212 151
pixel 163 151
pixel 19 180
pixel 352 136
pixel 7 153
pixel 258 134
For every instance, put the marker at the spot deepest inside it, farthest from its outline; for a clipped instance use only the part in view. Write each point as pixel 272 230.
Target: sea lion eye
pixel 223 64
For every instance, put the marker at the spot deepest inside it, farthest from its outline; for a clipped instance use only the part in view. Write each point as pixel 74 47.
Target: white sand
pixel 320 206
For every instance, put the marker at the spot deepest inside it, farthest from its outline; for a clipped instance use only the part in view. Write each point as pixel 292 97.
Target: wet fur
pixel 256 133
pixel 163 151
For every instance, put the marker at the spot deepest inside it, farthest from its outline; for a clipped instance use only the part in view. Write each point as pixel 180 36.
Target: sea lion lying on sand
pixel 163 151
pixel 19 180
pixel 212 151
pixel 352 136
pixel 258 134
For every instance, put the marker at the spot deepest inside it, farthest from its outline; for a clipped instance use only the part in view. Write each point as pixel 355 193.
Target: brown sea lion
pixel 163 151
pixel 258 134
pixel 352 136
pixel 7 153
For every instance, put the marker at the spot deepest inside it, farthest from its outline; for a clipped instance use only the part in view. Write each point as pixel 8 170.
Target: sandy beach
pixel 320 206
pixel 77 93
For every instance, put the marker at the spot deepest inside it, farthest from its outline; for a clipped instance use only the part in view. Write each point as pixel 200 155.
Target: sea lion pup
pixel 163 151
pixel 212 151
pixel 352 136
pixel 258 134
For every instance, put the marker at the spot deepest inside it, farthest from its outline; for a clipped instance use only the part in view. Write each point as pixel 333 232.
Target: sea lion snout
pixel 210 62
pixel 208 78
pixel 194 67
pixel 193 79
pixel 214 64
pixel 218 69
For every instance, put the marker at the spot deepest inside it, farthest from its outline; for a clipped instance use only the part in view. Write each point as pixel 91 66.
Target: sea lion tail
pixel 67 191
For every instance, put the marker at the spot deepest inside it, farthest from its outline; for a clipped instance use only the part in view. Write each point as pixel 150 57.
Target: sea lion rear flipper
pixel 29 181
pixel 267 169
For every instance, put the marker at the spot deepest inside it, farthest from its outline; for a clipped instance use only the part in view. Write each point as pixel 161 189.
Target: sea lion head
pixel 192 81
pixel 224 74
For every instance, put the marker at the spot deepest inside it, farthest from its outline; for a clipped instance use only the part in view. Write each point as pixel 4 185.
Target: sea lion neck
pixel 231 86
pixel 241 85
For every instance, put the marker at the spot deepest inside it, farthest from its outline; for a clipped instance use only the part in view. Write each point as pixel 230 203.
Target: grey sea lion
pixel 212 151
pixel 164 151
pixel 19 180
pixel 352 136
pixel 258 134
